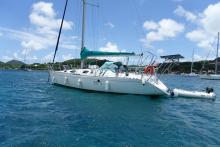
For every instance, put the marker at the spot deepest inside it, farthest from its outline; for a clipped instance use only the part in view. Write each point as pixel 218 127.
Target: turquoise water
pixel 35 113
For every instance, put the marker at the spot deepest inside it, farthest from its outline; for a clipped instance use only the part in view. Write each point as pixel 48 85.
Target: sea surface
pixel 35 113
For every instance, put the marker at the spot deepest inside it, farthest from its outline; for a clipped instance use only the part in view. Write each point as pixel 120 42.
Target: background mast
pixel 191 71
pixel 216 62
pixel 83 29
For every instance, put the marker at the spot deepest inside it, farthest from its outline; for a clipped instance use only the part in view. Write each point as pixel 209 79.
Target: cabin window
pixel 85 71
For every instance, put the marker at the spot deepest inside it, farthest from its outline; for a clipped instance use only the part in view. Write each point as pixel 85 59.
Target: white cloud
pixel 162 30
pixel 150 25
pixel 70 42
pixel 44 8
pixel 69 46
pixel 196 35
pixel 211 18
pixel 207 26
pixel 32 58
pixel 17 56
pixel 67 57
pixel 206 44
pixel 202 38
pixel 43 31
pixel 109 24
pixel 198 57
pixel 184 13
pixel 48 58
pixel 30 40
pixel 14 56
pixel 110 47
pixel 6 58
pixel 44 16
pixel 160 51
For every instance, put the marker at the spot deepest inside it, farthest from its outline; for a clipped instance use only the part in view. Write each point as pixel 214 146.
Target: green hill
pixel 181 67
pixel 15 63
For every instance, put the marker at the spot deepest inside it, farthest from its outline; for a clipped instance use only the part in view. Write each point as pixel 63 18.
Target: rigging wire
pixel 134 6
pixel 98 24
pixel 139 21
pixel 61 26
pixel 76 32
pixel 206 58
pixel 93 27
pixel 78 10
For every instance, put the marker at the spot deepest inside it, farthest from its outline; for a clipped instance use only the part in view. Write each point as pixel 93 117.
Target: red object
pixel 149 69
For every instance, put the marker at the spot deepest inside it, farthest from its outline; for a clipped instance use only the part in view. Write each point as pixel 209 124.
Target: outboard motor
pixel 171 92
pixel 209 90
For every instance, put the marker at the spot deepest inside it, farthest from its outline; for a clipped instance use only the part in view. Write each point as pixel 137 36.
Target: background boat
pixel 215 76
pixel 191 74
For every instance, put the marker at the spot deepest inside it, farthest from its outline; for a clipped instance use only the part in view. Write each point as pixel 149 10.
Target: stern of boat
pixel 157 83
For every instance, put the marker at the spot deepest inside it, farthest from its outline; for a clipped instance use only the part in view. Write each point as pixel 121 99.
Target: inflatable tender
pixel 208 94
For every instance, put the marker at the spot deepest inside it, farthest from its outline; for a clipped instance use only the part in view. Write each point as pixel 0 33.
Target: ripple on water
pixel 35 113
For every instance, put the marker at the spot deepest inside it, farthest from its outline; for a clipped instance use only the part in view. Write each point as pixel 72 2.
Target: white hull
pixel 210 77
pixel 190 75
pixel 147 85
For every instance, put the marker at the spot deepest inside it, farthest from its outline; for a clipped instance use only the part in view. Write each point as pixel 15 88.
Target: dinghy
pixel 209 94
pixel 210 77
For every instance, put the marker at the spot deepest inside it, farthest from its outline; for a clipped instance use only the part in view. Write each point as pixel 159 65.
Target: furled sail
pixel 85 53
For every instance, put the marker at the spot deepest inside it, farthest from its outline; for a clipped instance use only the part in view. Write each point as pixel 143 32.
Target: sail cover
pixel 86 53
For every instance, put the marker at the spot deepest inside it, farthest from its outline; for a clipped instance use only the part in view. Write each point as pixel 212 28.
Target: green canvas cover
pixel 86 53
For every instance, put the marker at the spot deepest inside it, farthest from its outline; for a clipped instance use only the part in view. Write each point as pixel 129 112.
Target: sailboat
pixel 25 68
pixel 215 76
pixel 191 74
pixel 107 78
pixel 114 77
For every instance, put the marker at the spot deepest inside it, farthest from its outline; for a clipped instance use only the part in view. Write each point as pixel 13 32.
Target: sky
pixel 29 28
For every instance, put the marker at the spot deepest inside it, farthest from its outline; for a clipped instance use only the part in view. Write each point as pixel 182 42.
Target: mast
pixel 83 29
pixel 216 61
pixel 192 61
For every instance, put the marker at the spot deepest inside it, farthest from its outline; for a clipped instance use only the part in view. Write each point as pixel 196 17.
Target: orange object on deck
pixel 150 69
